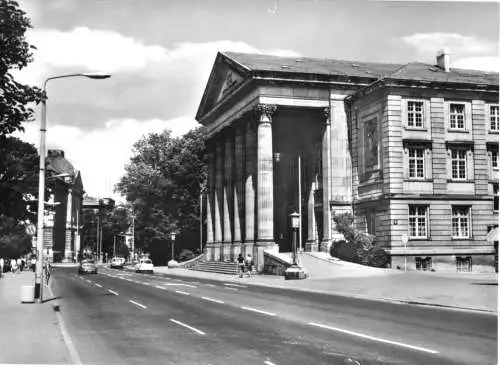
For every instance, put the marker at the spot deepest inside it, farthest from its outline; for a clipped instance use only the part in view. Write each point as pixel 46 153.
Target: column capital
pixel 265 111
pixel 326 115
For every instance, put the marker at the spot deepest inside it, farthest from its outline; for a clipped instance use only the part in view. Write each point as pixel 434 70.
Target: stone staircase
pixel 220 267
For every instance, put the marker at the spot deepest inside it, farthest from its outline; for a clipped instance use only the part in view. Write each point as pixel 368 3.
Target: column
pixel 312 241
pixel 68 251
pixel 218 199
pixel 209 247
pixel 326 169
pixel 265 201
pixel 239 162
pixel 250 181
pixel 228 194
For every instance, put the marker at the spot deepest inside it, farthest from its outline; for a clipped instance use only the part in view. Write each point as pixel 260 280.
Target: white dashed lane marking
pixel 182 292
pixel 228 288
pixel 258 311
pixel 373 338
pixel 137 304
pixel 237 285
pixel 187 326
pixel 213 300
pixel 99 285
pixel 112 292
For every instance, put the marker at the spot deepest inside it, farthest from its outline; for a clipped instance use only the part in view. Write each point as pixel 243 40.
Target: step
pixel 220 267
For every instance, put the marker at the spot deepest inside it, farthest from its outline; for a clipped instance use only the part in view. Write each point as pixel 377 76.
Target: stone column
pixel 312 237
pixel 239 162
pixel 209 247
pixel 218 199
pixel 265 200
pixel 250 181
pixel 325 156
pixel 228 194
pixel 68 247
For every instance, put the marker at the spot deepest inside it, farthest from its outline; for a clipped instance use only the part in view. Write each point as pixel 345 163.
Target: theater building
pixel 409 149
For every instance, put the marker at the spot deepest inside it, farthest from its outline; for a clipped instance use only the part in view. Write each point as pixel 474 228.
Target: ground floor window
pixel 423 263
pixel 460 221
pixel 417 221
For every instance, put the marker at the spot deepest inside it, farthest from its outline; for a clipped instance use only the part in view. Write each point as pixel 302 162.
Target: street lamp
pixel 41 178
pixel 172 263
pixel 295 271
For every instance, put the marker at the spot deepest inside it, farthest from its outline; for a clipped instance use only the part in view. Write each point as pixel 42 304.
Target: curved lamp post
pixel 41 179
pixel 172 263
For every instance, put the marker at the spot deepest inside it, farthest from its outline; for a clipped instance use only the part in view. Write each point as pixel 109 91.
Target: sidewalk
pixel 472 292
pixel 30 332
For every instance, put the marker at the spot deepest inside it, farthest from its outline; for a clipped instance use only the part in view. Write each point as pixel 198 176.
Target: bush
pixel 186 255
pixel 347 251
pixel 377 257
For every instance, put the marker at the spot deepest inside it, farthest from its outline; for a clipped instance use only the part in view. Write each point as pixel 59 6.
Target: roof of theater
pixel 413 71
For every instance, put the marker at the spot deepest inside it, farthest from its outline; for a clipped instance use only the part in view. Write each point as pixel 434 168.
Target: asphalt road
pixel 120 317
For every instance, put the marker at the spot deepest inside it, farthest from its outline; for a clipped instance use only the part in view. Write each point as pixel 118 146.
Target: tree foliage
pixel 16 53
pixel 162 183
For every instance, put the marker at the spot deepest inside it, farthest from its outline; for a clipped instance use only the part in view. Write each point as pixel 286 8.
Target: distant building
pixel 410 149
pixel 62 236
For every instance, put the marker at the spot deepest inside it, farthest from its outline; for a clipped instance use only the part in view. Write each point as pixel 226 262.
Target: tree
pixel 15 97
pixel 162 183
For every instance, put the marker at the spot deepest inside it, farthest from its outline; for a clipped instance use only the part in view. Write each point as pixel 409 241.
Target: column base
pixel 295 272
pixel 226 252
pixel 312 246
pixel 236 249
pixel 325 245
pixel 68 257
pixel 209 251
pixel 216 252
pixel 259 249
pixel 247 248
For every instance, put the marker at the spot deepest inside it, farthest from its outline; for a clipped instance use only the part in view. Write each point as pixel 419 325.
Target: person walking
pixel 33 263
pixel 241 265
pixel 13 265
pixel 1 266
pixel 248 264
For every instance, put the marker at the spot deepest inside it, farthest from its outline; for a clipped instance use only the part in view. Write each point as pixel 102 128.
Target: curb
pixel 352 295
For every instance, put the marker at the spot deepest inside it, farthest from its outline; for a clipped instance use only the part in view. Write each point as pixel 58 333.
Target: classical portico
pixel 269 154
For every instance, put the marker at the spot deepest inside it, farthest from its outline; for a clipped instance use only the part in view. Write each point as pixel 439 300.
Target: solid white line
pixel 258 311
pixel 88 281
pixel 187 326
pixel 231 288
pixel 374 338
pixel 239 286
pixel 99 285
pixel 182 292
pixel 267 362
pixel 172 284
pixel 113 292
pixel 159 287
pixel 213 300
pixel 138 304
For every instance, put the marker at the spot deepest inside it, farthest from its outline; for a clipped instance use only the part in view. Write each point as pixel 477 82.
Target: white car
pixel 144 265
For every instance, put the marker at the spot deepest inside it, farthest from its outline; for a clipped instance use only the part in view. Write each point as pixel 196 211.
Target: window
pixel 460 222
pixel 494 160
pixel 495 197
pixel 458 164
pixel 417 221
pixel 416 114
pixel 416 163
pixel 494 117
pixel 423 263
pixel 457 116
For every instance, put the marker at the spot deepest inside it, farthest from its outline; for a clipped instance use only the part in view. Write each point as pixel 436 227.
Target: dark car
pixel 87 267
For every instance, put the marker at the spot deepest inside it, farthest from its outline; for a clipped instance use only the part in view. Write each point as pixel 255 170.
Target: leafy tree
pixel 162 183
pixel 15 97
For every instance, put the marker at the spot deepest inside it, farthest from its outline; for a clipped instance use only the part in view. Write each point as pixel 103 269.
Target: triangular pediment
pixel 225 77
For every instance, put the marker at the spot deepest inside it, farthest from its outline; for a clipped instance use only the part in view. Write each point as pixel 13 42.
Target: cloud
pixel 486 63
pixel 102 154
pixel 457 43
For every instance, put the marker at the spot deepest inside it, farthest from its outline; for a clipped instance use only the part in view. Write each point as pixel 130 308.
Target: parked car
pixel 117 262
pixel 144 265
pixel 87 267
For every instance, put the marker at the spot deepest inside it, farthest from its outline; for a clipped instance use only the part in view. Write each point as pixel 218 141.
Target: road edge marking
pixel 188 326
pixel 258 311
pixel 213 300
pixel 378 339
pixel 73 352
pixel 182 292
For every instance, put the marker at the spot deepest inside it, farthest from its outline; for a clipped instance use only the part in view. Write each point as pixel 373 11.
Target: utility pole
pixel 201 219
pixel 114 245
pixel 132 242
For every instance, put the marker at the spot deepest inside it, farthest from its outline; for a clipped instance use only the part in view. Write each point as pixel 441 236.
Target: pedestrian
pixel 248 264
pixel 1 266
pixel 13 265
pixel 23 263
pixel 241 265
pixel 18 264
pixel 33 263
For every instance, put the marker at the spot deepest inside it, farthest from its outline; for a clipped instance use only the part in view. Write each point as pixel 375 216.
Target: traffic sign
pixel 404 238
pixel 31 229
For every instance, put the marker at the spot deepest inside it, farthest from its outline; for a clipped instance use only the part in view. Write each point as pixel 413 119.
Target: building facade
pixel 389 143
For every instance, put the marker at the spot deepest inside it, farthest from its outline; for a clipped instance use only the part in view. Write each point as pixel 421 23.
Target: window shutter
pixel 490 166
pixel 406 163
pixel 428 163
pixel 446 111
pixel 427 115
pixel 448 164
pixel 470 166
pixel 404 112
pixel 468 116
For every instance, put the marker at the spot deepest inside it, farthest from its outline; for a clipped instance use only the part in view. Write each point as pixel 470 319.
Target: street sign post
pixel 404 239
pixel 31 229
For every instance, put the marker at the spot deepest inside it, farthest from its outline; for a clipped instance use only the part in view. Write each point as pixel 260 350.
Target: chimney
pixel 443 59
pixel 56 153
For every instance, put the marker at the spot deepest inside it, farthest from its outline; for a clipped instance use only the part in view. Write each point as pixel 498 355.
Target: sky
pixel 160 53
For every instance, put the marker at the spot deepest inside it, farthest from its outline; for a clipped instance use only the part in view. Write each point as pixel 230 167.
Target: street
pixel 120 317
